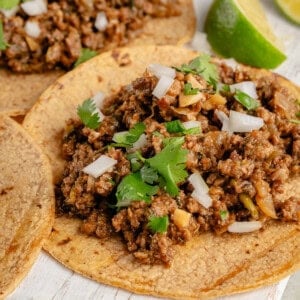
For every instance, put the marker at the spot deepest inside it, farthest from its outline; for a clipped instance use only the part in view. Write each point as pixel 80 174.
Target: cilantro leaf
pixel 127 138
pixel 170 163
pixel 149 175
pixel 132 188
pixel 158 224
pixel 177 127
pixel 85 55
pixel 3 44
pixel 136 160
pixel 88 114
pixel 224 215
pixel 9 4
pixel 247 101
pixel 189 90
pixel 201 65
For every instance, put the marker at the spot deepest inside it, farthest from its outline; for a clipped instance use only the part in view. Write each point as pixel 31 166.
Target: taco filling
pixel 36 36
pixel 179 151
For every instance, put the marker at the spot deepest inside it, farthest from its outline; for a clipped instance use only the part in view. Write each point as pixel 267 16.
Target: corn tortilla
pixel 203 265
pixel 20 91
pixel 26 203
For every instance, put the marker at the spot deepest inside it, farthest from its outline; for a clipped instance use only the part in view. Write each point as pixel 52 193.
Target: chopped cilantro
pixel 225 88
pixel 189 90
pixel 247 101
pixel 201 65
pixel 126 139
pixel 295 121
pixel 3 44
pixel 132 188
pixel 88 114
pixel 170 163
pixel 85 55
pixel 158 224
pixel 136 160
pixel 9 4
pixel 149 175
pixel 224 215
pixel 177 127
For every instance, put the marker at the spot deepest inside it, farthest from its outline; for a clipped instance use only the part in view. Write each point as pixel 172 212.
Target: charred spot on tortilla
pixel 160 177
pixel 64 241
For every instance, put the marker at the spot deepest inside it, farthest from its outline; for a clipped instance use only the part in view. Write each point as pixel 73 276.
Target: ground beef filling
pixel 238 168
pixel 69 26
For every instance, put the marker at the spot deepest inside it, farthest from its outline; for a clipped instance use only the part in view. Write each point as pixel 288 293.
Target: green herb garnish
pixel 128 138
pixel 177 127
pixel 85 55
pixel 149 175
pixel 158 224
pixel 295 121
pixel 247 101
pixel 3 44
pixel 136 160
pixel 224 215
pixel 201 65
pixel 189 90
pixel 88 114
pixel 133 188
pixel 170 163
pixel 8 4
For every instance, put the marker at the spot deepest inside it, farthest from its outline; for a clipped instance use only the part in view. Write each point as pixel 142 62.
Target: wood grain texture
pixel 49 280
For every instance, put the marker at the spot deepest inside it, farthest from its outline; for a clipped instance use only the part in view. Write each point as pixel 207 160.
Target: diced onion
pixel 8 13
pixel 203 199
pixel 242 227
pixel 140 143
pixel 198 183
pixel 101 21
pixel 191 124
pixel 224 120
pixel 162 86
pixel 231 62
pixel 201 189
pixel 32 29
pixel 160 70
pixel 200 42
pixel 117 135
pixel 240 122
pixel 99 166
pixel 34 7
pixel 98 98
pixel 247 87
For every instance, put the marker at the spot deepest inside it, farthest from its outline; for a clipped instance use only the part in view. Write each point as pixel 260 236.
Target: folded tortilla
pixel 207 266
pixel 26 203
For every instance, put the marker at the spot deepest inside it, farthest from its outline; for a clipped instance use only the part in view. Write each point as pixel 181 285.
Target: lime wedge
pixel 291 9
pixel 239 29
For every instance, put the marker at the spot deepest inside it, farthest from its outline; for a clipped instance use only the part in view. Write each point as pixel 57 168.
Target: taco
pixel 27 203
pixel 191 160
pixel 44 40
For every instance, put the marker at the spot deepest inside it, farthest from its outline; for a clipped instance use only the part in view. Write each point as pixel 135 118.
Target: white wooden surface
pixel 49 280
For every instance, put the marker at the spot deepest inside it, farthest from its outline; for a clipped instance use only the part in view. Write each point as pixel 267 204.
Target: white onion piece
pixel 99 166
pixel 101 21
pixel 240 122
pixel 32 29
pixel 198 183
pixel 231 62
pixel 140 143
pixel 160 70
pixel 247 87
pixel 242 227
pixel 119 134
pixel 34 7
pixel 204 199
pixel 98 99
pixel 8 13
pixel 200 43
pixel 224 120
pixel 191 124
pixel 162 86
